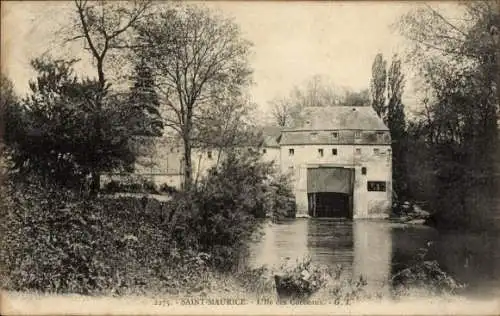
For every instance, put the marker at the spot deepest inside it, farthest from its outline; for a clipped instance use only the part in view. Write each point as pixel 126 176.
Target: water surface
pixel 379 249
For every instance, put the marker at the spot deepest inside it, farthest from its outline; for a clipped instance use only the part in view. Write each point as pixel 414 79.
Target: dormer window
pixel 335 135
pixel 357 134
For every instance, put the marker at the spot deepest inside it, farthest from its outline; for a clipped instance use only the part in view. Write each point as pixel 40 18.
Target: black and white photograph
pixel 250 157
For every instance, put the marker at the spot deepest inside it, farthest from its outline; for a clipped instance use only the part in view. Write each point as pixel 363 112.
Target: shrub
pixel 165 188
pixel 150 187
pixel 221 214
pixel 113 186
pixel 280 198
pixel 57 241
pixel 424 274
pixel 300 281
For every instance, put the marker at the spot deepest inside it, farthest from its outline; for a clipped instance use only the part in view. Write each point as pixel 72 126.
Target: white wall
pixel 379 168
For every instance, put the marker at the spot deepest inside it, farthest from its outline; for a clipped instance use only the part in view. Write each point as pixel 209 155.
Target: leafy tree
pixel 396 121
pixel 144 100
pixel 199 59
pixel 103 27
pixel 378 84
pixel 51 132
pixel 458 58
pixel 387 89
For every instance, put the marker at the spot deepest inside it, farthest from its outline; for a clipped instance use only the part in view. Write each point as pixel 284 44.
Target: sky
pixel 293 41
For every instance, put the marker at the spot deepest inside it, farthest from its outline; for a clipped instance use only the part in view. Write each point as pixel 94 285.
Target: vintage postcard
pixel 250 157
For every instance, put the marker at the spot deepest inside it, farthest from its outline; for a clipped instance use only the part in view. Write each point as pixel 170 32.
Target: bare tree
pixel 200 59
pixel 282 111
pixel 317 91
pixel 103 27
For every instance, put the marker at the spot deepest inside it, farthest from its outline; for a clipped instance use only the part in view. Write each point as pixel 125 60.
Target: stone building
pixel 339 159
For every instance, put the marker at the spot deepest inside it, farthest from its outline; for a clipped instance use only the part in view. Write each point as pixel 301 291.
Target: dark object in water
pixel 287 288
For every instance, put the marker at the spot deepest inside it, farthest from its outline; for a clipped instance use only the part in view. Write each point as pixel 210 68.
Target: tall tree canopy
pixel 199 59
pixel 51 132
pixel 144 100
pixel 378 84
pixel 386 87
pixel 457 53
pixel 104 27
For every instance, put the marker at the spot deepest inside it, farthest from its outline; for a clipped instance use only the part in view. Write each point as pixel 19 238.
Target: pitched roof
pixel 271 135
pixel 339 118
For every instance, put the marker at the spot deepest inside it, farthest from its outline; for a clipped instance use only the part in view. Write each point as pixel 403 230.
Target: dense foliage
pixel 57 130
pixel 454 140
pixel 387 86
pixel 144 101
pixel 59 241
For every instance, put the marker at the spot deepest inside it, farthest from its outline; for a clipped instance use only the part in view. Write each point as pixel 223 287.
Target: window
pixel 264 151
pixel 376 151
pixel 320 152
pixel 335 134
pixel 209 155
pixel 358 151
pixel 363 171
pixel 380 136
pixel 357 134
pixel 291 152
pixel 334 151
pixel 376 186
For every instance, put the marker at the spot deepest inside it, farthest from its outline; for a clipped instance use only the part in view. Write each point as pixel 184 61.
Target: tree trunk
pixel 188 169
pixel 95 183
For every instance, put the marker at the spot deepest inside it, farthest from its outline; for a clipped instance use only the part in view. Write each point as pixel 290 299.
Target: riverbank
pixel 30 304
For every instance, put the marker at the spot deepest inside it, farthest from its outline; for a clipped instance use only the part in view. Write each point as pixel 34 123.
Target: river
pixel 379 249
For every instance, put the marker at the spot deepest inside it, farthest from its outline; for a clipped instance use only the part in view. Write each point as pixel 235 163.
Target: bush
pixel 280 198
pixel 150 187
pixel 424 274
pixel 165 188
pixel 112 187
pixel 301 280
pixel 58 241
pixel 222 213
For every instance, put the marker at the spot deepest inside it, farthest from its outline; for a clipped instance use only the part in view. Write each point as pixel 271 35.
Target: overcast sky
pixel 292 40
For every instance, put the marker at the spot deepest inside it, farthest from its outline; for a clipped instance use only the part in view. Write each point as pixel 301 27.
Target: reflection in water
pixel 379 249
pixel 372 252
pixel 280 241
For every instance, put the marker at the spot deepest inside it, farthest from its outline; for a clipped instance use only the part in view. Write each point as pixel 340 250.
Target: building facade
pixel 339 159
